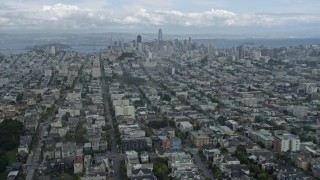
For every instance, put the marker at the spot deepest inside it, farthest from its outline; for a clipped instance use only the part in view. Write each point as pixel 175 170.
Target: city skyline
pixel 297 17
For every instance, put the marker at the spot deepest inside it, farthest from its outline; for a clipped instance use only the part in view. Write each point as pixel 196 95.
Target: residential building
pixel 198 138
pixel 286 142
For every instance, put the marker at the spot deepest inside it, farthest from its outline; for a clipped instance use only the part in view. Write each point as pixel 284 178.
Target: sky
pixel 292 17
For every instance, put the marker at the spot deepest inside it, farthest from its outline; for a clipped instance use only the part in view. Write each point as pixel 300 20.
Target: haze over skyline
pixel 291 17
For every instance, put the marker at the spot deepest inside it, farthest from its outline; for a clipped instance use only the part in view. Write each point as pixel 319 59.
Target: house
pixel 199 139
pixel 78 165
pixel 175 143
pixel 79 151
pixel 130 160
pixel 183 167
pixel 286 142
pixel 302 163
pixel 17 166
pixel 232 124
pixel 211 154
pixel 236 170
pixel 263 136
pixel 56 123
pixel 144 157
pixel 25 142
pixel 64 165
pixel 31 123
pixel 95 142
pixel 58 153
pixel 228 160
pixel 100 121
pixel 185 126
pixel 22 157
pixel 68 150
pixel 138 174
pixel 128 143
pixel 49 153
pixel 103 145
pixel 165 142
pixel 316 170
pixel 72 123
pixel 87 147
pixel 13 175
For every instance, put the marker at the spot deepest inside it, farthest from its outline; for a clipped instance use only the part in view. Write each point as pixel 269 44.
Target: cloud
pixel 72 17
pixel 219 17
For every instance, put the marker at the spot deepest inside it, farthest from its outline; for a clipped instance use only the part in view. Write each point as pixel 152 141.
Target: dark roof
pixel 230 158
pixel 22 153
pixel 147 177
pixel 141 171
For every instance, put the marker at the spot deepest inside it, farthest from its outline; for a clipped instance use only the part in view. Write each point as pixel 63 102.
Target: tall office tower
pixel 160 35
pixel 139 39
pixel 241 52
pixel 210 48
pixel 189 44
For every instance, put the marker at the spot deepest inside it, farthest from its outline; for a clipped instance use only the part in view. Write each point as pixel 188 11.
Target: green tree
pixel 263 176
pixel 258 119
pixel 222 120
pixel 172 123
pixel 308 128
pixel 224 150
pixel 10 131
pixel 197 127
pixel 166 97
pixel 261 144
pixel 285 112
pixel 19 97
pixel 241 154
pixel 161 171
pixel 3 165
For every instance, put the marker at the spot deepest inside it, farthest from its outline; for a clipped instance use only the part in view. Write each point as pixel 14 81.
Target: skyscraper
pixel 139 39
pixel 241 52
pixel 160 35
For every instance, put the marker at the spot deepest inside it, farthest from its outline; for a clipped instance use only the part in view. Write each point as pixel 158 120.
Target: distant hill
pixel 45 46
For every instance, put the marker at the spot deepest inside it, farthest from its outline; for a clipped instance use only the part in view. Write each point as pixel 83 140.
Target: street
pixel 36 151
pixel 116 159
pixel 202 166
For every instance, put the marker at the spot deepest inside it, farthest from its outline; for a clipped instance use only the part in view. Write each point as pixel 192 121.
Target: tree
pixel 197 127
pixel 258 119
pixel 224 150
pixel 106 127
pixel 3 165
pixel 222 120
pixel 263 175
pixel 241 154
pixel 172 123
pixel 10 131
pixel 149 132
pixel 19 97
pixel 161 170
pixel 308 128
pixel 166 97
pixel 39 98
pixel 261 144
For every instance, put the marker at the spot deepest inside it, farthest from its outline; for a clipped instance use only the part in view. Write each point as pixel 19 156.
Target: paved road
pixel 36 155
pixel 34 162
pixel 116 159
pixel 201 165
